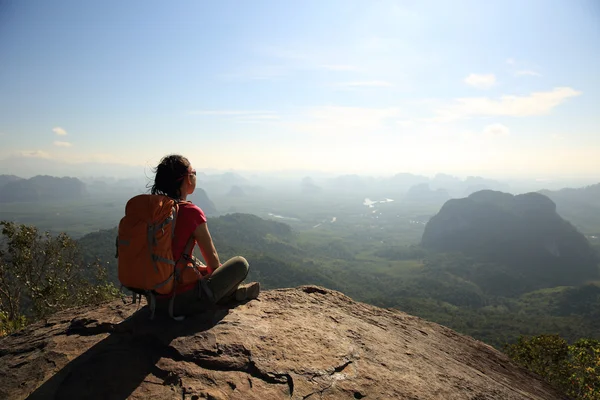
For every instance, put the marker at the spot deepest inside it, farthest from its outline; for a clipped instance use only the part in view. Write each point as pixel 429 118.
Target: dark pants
pixel 222 283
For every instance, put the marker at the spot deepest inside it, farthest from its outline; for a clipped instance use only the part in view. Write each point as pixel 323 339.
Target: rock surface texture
pixel 302 343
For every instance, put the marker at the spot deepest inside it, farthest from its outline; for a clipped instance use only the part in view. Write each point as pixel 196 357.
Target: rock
pixel 302 343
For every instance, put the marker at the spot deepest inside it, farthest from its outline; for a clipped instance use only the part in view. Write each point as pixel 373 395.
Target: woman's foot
pixel 248 291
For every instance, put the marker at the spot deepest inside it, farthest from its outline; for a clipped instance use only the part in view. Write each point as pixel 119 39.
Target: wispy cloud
pixel 280 62
pixel 537 103
pixel 481 81
pixel 230 112
pixel 335 121
pixel 365 84
pixel 59 131
pixel 63 144
pixel 527 72
pixel 244 116
pixel 34 154
pixel 522 68
pixel 339 67
pixel 257 72
pixel 496 130
pixel 255 119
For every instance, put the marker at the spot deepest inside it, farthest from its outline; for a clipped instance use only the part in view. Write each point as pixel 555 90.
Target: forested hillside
pixel 457 290
pixel 529 244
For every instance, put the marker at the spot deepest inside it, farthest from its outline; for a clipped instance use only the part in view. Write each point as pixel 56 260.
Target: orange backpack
pixel 144 248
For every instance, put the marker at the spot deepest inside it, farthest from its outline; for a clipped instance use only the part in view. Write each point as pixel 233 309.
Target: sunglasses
pixel 192 172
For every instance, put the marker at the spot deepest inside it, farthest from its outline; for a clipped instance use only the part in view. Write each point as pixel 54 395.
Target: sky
pixel 495 88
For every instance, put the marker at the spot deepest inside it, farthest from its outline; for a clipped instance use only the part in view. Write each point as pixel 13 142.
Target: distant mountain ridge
pixel 40 188
pixel 4 179
pixel 422 193
pixel 580 206
pixel 50 188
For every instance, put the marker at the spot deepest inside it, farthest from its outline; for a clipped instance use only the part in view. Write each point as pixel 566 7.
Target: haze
pixel 503 89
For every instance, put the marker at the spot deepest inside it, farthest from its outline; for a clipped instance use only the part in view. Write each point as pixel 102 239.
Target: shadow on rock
pixel 114 367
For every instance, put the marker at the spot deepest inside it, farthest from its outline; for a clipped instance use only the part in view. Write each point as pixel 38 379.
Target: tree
pixel 41 274
pixel 575 368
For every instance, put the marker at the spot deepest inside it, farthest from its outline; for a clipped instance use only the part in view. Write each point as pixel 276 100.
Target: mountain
pixel 404 181
pixel 308 186
pixel 200 198
pixel 580 206
pixel 4 179
pixel 422 193
pixel 236 191
pixel 302 343
pixel 42 188
pixel 349 184
pixel 231 178
pixel 457 187
pixel 587 194
pixel 531 244
pixel 445 181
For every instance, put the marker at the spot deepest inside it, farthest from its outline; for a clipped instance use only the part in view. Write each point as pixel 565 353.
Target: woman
pixel 176 178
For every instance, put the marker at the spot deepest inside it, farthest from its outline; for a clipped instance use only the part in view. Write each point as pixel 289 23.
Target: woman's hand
pixel 207 247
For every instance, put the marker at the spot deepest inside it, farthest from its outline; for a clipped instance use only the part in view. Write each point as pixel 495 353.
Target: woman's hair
pixel 169 173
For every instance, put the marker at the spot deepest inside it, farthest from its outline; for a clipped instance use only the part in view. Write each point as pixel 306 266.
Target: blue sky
pixel 502 88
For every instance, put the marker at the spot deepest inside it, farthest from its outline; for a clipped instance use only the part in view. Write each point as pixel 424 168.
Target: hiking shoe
pixel 248 291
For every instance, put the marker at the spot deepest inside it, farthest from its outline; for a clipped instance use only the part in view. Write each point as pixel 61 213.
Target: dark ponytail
pixel 169 174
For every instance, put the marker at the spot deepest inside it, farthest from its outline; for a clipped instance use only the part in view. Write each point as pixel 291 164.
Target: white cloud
pixel 481 81
pixel 63 144
pixel 537 103
pixel 365 84
pixel 34 154
pixel 59 131
pixel 527 72
pixel 496 130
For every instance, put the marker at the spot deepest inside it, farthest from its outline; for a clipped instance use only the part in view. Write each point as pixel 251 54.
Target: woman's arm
pixel 207 247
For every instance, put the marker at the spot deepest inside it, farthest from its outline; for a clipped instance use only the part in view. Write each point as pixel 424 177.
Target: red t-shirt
pixel 189 217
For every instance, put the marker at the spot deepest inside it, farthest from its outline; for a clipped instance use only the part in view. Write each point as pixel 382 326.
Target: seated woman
pixel 176 178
